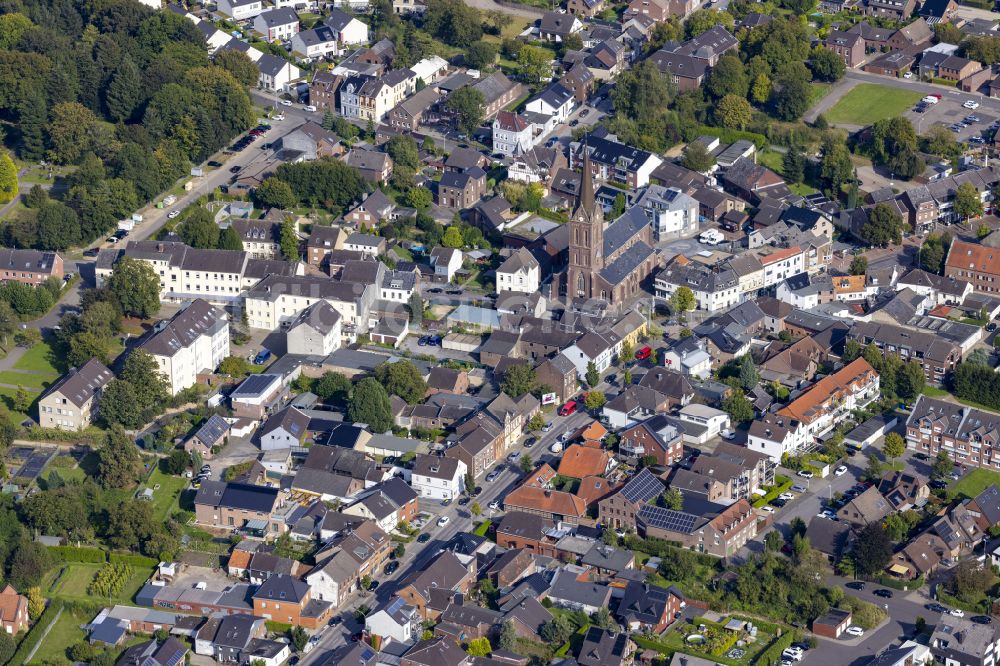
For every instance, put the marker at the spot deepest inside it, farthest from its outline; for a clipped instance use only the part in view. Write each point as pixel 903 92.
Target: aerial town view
pixel 500 332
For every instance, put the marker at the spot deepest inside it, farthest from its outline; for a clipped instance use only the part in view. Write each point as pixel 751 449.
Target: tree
pixel 942 466
pixel 118 407
pixel 239 64
pixel 789 98
pixel 536 423
pixel 118 462
pixel 728 77
pixel 298 635
pixel 835 167
pixel 872 550
pixel 773 541
pixel 859 265
pixel 403 151
pixel 467 104
pixel 419 197
pixel 697 158
pixel 275 193
pixel 526 463
pixel 682 300
pixel 370 404
pixel 793 164
pixel 8 179
pixel 893 446
pixel 618 207
pixel 29 563
pixel 475 509
pixel 176 462
pixel 884 226
pixel 453 22
pixel 403 379
pixel 967 201
pixel 592 376
pixel 673 499
pixel 705 19
pixel 479 647
pixel 470 483
pixel 969 579
pixel 136 287
pixel 22 399
pixel 71 131
pixel 519 379
pixel 734 112
pixel 739 408
pixel 452 238
pixel 199 229
pixel 289 240
pixel 557 630
pixel 481 55
pixel 595 400
pixel 508 636
pixel 149 386
pixel 125 91
pixel 229 238
pixel 36 603
pixel 910 381
pixel 534 64
pixel 827 65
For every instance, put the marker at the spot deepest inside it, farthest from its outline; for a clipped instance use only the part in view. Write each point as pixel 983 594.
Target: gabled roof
pixel 79 386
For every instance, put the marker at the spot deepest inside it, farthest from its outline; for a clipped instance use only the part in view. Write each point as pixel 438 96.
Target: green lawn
pixel 772 159
pixel 934 392
pixel 802 189
pixel 869 102
pixel 28 380
pixel 165 498
pixel 818 91
pixel 65 633
pixel 72 580
pixel 40 358
pixel 974 483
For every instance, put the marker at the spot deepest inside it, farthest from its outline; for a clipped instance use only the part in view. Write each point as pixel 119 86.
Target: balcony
pixel 631 450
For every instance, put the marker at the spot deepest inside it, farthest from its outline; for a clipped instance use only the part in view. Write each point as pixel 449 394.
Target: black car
pixel 778 502
pixel 391 567
pixel 424 538
pixel 214 164
pixel 982 619
pixel 856 585
pixel 462 501
pixel 938 484
pixel 477 491
pixel 936 608
pixel 454 292
pixel 885 594
pixel 92 252
pixel 530 442
pixel 991 327
pixel 435 290
pixel 234 169
pixel 335 620
pixel 373 586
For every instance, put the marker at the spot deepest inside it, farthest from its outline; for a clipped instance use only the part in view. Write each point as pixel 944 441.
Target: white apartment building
pixel 671 213
pixel 277 299
pixel 512 134
pixel 194 341
pixel 520 272
pixel 240 10
pixel 186 273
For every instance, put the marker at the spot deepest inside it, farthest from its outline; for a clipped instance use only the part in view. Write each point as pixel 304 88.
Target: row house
pixel 279 299
pixel 536 496
pixel 432 589
pixel 351 555
pixel 970 436
pixel 936 355
pixel 372 98
pixel 976 264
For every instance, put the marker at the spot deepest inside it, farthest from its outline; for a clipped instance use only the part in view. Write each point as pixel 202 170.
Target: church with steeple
pixel 606 261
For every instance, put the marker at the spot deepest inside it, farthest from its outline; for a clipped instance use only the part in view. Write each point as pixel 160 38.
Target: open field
pixel 72 580
pixel 974 483
pixel 40 358
pixel 869 102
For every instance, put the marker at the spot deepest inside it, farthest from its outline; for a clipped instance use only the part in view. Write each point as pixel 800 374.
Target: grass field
pixel 165 498
pixel 39 358
pixel 28 380
pixel 72 580
pixel 65 633
pixel 974 483
pixel 868 102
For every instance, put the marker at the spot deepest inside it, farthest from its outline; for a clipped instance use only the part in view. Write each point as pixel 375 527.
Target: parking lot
pixel 949 111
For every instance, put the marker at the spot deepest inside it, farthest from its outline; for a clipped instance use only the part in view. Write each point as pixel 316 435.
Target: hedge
pixel 782 483
pixel 732 136
pixel 134 560
pixel 897 584
pixel 35 635
pixel 92 436
pixel 71 554
pixel 772 655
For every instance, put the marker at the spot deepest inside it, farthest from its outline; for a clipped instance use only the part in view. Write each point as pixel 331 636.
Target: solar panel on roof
pixel 642 487
pixel 668 519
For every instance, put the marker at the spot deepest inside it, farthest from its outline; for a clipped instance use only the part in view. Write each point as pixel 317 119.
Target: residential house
pixel 437 651
pixel 72 402
pixel 896 10
pixel 958 640
pixel 659 436
pixel 415 110
pixel 316 43
pixel 357 548
pixel 602 647
pixel 498 93
pixel 619 510
pixel 394 621
pixel 13 610
pixel 432 589
pixel 554 101
pixel 521 272
pixel 904 490
pixel 29 266
pixel 240 10
pixel 276 24
pixel 520 530
pixel 512 134
pixel 375 167
pixel 192 343
pixel 535 495
pixel 315 331
pixel 579 461
pixel 567 591
pixel 848 45
pixel 559 374
pixel 974 263
pixel 867 508
pixel 968 435
pixel 557 26
pixel 707 528
pixel 649 608
pixel 461 190
pixel 438 477
pixel 350 30
pixel 257 395
pixel 209 437
pixel 239 506
pixel 390 503
pixel 612 161
pixel 584 8
pixel 308 141
pixel 285 599
pixel 446 262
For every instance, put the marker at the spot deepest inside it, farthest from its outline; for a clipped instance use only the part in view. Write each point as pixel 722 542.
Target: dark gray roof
pixel 79 386
pixel 282 587
pixel 321 316
pixel 212 430
pixel 277 17
pixel 566 587
pixel 198 319
pixel 628 262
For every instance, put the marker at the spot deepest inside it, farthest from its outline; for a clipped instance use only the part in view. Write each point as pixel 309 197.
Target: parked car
pixel 443 520
pixel 778 502
pixel 391 567
pixel 462 501
pixel 547 427
pixel 568 408
pixel 806 474
pixel 530 442
pixel 982 619
pixel 798 489
pixel 971 104
pixel 310 108
pixel 840 471
pixel 285 102
pixel 855 630
pixel 786 496
pixel 856 585
pixel 424 538
pixel 936 608
pixel 172 214
pixel 495 505
pixel 956 612
pixel 492 476
pixel 884 593
pixel 643 354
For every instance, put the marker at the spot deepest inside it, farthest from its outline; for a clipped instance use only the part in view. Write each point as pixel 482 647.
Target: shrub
pixel 772 655
pixel 71 554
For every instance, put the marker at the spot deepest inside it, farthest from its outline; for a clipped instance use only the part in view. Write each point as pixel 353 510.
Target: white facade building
pixel 438 477
pixel 194 341
pixel 520 272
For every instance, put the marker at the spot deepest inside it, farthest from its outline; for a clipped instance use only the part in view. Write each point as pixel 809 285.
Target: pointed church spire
pixel 587 184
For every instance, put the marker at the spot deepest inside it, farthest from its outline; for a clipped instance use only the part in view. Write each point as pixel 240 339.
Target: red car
pixel 643 354
pixel 568 408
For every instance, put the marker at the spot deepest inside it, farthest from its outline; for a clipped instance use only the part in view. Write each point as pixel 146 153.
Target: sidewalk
pixel 854 641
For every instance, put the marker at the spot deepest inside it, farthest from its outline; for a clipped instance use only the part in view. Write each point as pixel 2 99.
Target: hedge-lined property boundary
pixel 37 632
pixel 66 554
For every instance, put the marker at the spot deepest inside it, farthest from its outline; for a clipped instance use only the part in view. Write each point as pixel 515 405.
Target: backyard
pixel 65 633
pixel 711 641
pixel 974 483
pixel 868 102
pixel 72 581
pixel 166 491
